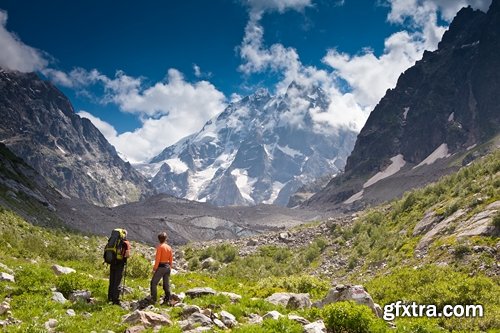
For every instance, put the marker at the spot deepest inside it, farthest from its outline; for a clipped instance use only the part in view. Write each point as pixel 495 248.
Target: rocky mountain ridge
pixel 261 149
pixel 39 125
pixel 441 111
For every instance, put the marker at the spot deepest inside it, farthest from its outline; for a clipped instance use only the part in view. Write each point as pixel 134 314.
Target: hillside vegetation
pixel 379 248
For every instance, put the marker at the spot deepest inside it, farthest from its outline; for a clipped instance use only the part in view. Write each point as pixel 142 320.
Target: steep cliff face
pixel 261 149
pixel 39 125
pixel 445 104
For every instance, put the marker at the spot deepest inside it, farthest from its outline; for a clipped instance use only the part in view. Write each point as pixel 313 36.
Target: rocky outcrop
pixel 447 103
pixel 356 293
pixel 39 125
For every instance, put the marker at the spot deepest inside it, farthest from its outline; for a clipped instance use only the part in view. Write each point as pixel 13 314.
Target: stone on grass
pixel 135 329
pixel 4 307
pixel 197 319
pixel 228 319
pixel 58 297
pixel 197 292
pixel 273 315
pixel 60 270
pixel 7 277
pixel 348 293
pixel 80 295
pixel 315 327
pixel 147 319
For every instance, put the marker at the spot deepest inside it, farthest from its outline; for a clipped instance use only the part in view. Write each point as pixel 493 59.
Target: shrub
pixel 283 325
pixel 138 267
pixel 69 283
pixel 34 278
pixel 351 317
pixel 193 264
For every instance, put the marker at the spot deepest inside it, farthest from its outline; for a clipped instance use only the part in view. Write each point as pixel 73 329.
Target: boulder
pixel 189 310
pixel 199 319
pixel 479 224
pixel 290 300
pixel 7 277
pixel 273 315
pixel 60 270
pixel 147 319
pixel 315 327
pixel 228 319
pixel 427 223
pixel 197 292
pixel 80 295
pixel 50 324
pixel 254 319
pixel 58 297
pixel 348 293
pixel 207 263
pixel 219 324
pixel 71 312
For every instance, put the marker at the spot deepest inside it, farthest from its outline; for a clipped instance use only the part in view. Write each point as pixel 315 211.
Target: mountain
pixel 39 125
pixel 260 149
pixel 437 117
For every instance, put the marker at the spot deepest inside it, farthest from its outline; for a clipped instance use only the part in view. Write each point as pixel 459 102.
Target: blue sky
pixel 148 73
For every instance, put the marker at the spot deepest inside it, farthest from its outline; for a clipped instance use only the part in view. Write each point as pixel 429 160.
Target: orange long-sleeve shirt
pixel 164 254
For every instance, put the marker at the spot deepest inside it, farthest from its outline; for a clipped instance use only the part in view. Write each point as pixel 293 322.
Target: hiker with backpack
pixel 162 267
pixel 116 252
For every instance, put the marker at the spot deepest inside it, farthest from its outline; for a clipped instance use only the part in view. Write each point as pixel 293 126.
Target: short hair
pixel 162 237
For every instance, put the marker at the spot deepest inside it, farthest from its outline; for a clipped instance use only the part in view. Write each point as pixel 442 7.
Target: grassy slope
pixel 378 248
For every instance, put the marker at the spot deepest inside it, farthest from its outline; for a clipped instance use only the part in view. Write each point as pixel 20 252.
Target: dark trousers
pixel 161 273
pixel 115 278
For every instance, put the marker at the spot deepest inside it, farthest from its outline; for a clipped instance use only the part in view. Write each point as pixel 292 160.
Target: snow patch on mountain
pixel 440 152
pixel 397 162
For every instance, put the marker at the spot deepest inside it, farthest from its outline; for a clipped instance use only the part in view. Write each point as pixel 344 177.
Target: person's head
pixel 162 237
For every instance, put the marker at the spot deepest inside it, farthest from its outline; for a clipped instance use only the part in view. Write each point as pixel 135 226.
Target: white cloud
pixel 14 54
pixel 197 70
pixel 277 5
pixel 168 110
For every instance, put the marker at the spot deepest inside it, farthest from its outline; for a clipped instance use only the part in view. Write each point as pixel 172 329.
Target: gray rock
pixel 80 295
pixel 208 262
pixel 348 293
pixel 198 318
pixel 290 300
pixel 480 224
pixel 219 324
pixel 71 312
pixel 4 307
pixel 197 292
pixel 439 229
pixel 298 319
pixel 58 297
pixel 190 309
pixel 427 223
pixel 272 315
pixel 254 319
pixel 7 277
pixel 51 324
pixel 228 319
pixel 315 327
pixel 147 319
pixel 60 270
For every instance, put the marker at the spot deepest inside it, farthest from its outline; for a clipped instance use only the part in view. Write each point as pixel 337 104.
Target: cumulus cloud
pixel 276 5
pixel 168 110
pixel 14 54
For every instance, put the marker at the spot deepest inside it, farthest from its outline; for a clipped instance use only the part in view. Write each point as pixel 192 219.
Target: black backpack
pixel 113 251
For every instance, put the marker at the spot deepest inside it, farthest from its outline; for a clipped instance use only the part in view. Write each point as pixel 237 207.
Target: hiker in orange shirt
pixel 161 270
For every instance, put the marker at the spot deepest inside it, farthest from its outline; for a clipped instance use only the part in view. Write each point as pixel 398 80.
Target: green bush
pixel 349 316
pixel 69 283
pixel 316 287
pixel 282 325
pixel 194 264
pixel 34 278
pixel 138 267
